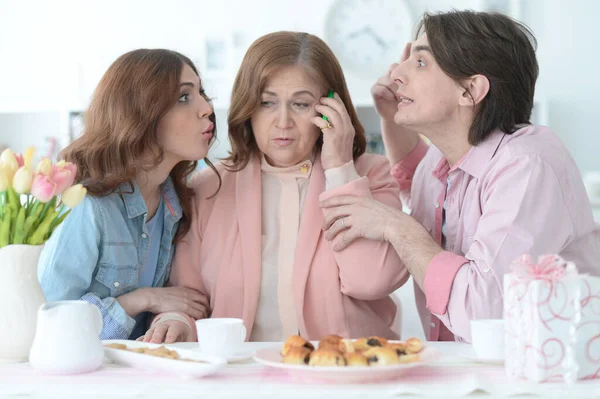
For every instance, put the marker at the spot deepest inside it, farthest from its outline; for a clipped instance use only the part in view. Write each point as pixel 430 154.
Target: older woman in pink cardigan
pixel 257 248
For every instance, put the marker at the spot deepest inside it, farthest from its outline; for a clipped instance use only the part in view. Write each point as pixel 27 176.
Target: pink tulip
pixel 43 188
pixel 63 174
pixel 20 160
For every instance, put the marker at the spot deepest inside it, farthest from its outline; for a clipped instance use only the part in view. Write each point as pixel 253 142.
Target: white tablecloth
pixel 453 376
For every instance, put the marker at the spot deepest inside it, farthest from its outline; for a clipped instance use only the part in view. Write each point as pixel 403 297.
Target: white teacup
pixel 487 338
pixel 592 185
pixel 221 336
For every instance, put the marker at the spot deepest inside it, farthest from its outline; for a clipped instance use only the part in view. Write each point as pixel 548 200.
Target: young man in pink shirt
pixel 488 189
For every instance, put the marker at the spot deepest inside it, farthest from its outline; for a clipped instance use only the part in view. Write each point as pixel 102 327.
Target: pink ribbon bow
pixel 549 267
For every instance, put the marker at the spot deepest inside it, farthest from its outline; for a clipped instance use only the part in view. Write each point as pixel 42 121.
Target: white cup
pixel 592 185
pixel 67 338
pixel 487 338
pixel 221 336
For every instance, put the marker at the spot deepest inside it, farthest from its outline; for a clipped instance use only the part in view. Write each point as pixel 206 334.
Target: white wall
pixel 68 44
pixel 569 41
pixel 54 52
pixel 45 124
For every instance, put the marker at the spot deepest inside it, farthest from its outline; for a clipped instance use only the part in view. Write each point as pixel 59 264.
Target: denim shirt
pixel 97 253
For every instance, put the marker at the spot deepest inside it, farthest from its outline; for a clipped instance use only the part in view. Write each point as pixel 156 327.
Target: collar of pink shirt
pixel 471 162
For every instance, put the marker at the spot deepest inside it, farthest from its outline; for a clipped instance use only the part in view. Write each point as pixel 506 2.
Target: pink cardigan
pixel 345 293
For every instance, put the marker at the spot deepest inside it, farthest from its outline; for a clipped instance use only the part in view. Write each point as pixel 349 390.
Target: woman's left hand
pixel 350 217
pixel 168 332
pixel 338 133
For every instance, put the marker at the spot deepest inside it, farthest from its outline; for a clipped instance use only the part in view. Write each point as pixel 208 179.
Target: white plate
pixel 194 346
pixel 476 359
pixel 271 357
pixel 210 365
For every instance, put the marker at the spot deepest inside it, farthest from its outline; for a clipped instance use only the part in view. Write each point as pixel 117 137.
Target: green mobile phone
pixel 330 94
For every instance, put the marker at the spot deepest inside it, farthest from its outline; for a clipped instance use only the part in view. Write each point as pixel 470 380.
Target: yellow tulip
pixel 73 195
pixel 28 157
pixel 44 167
pixel 4 180
pixel 22 180
pixel 8 156
pixel 8 159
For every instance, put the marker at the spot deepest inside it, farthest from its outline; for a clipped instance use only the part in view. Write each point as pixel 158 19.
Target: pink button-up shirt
pixel 510 195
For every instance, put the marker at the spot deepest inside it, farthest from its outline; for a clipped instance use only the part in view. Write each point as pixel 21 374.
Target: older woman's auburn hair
pixel 263 58
pixel 136 91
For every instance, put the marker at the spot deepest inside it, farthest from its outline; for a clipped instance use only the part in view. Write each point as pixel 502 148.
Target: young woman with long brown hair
pixel 148 123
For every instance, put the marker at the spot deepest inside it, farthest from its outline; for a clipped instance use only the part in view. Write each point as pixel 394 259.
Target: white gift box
pixel 552 321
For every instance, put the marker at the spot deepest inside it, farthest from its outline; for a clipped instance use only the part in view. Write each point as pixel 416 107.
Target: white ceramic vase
pixel 20 299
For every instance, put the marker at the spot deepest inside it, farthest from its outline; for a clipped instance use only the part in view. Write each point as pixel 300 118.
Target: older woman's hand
pixel 168 332
pixel 350 217
pixel 338 133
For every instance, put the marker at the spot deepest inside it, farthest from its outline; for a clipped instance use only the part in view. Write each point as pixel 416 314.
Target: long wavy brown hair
pixel 136 91
pixel 265 56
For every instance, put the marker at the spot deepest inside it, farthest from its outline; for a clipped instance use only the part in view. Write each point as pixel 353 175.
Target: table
pixel 452 376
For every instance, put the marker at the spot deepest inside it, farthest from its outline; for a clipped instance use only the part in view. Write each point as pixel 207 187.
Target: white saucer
pixel 194 346
pixel 476 359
